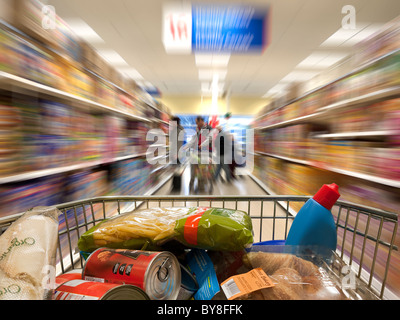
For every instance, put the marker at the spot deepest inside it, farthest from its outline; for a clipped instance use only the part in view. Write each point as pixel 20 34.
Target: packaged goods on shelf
pixel 44 142
pixel 80 83
pixel 43 134
pixel 128 176
pixel 115 130
pixel 92 61
pixel 370 195
pixel 30 61
pixel 10 126
pixel 8 52
pixel 29 16
pixel 381 43
pixel 104 92
pixel 136 134
pixel 18 198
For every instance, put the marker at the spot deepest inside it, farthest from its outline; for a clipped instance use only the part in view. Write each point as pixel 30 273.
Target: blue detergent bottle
pixel 314 224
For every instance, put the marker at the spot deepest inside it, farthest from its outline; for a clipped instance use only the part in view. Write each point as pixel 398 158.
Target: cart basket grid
pixel 366 236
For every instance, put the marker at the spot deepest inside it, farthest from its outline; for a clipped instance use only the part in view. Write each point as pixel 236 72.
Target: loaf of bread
pixel 294 278
pixel 26 247
pixel 271 262
pixel 288 285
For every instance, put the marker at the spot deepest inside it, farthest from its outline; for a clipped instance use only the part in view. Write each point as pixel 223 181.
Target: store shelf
pixel 303 119
pixel 304 162
pixel 360 68
pixel 9 81
pixel 363 176
pixel 361 134
pixel 347 103
pixel 358 175
pixel 53 171
pixel 382 94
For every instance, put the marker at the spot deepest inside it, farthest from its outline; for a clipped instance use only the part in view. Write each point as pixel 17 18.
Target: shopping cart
pixel 203 171
pixel 366 236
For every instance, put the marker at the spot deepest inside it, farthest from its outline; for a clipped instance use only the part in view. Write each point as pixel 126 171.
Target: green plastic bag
pixel 203 228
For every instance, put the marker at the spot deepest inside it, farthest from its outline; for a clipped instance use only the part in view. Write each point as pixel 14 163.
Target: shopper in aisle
pixel 177 135
pixel 223 147
pixel 233 164
pixel 201 143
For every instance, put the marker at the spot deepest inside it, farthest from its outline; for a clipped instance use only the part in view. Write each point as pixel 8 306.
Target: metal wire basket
pixel 366 236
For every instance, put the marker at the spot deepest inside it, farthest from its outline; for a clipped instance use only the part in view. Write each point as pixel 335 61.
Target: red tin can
pixel 91 290
pixel 157 273
pixel 75 274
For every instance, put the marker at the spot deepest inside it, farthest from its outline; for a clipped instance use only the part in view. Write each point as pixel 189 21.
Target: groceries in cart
pixel 278 276
pixel 194 227
pixel 211 256
pixel 28 255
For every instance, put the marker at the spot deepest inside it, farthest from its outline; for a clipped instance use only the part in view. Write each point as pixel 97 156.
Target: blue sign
pixel 229 28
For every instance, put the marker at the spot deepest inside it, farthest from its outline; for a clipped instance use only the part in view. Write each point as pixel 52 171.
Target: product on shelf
pixel 381 43
pixel 46 139
pixel 80 83
pixel 104 92
pixel 30 16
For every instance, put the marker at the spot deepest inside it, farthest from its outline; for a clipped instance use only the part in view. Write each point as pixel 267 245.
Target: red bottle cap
pixel 327 195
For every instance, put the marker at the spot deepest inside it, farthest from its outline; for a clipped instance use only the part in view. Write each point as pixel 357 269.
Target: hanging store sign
pixel 215 28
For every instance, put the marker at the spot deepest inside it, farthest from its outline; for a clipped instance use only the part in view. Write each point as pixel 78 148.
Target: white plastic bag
pixel 27 248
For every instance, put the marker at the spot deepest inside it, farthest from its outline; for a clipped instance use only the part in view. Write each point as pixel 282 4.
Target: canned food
pixel 157 273
pixel 91 290
pixel 75 274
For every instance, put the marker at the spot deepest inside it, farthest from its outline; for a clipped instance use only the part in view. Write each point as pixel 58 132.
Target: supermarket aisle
pixel 241 186
pixel 264 228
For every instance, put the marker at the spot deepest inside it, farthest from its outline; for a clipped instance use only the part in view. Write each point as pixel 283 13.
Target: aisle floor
pixel 274 220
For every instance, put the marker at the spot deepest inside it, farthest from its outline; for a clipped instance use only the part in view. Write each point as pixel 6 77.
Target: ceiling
pixel 299 29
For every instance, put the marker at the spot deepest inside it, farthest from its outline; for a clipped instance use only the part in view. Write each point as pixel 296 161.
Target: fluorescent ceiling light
pixel 342 35
pixel 215 80
pixel 113 58
pixel 208 74
pixel 277 89
pixel 83 30
pixel 312 60
pixel 130 73
pixel 321 60
pixel 298 76
pixel 364 34
pixel 212 60
pixel 350 37
pixel 205 86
